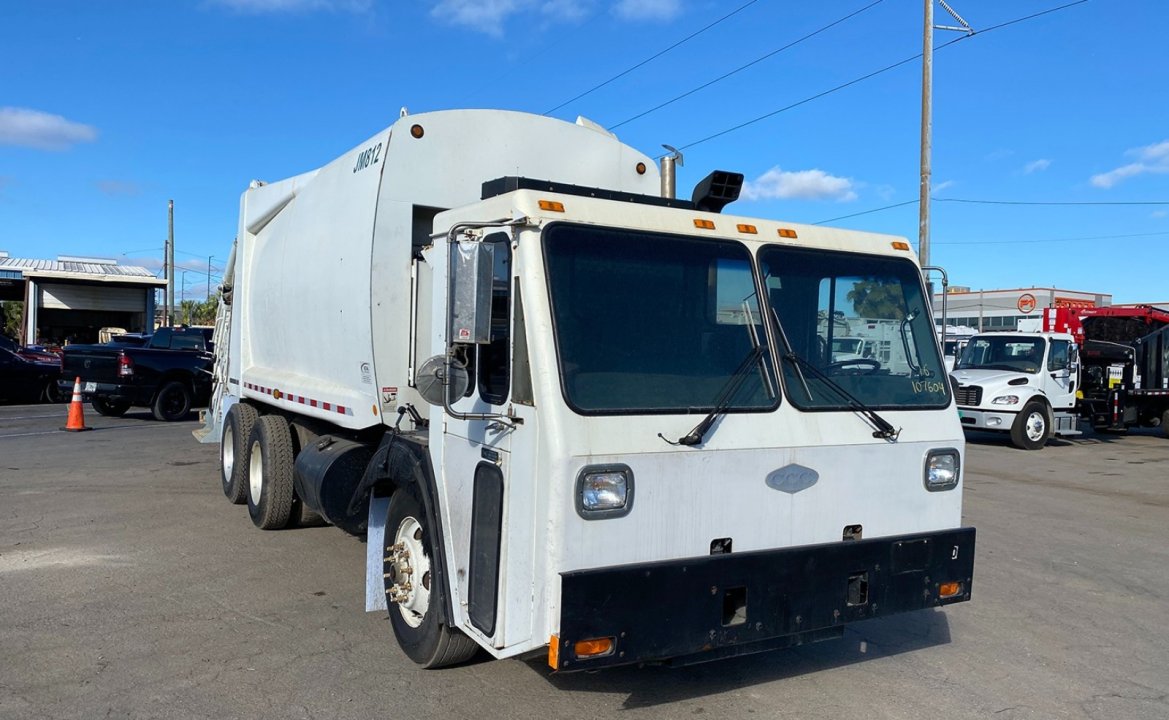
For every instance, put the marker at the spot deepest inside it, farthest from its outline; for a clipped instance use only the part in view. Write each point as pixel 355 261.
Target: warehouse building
pixel 71 298
pixel 1003 309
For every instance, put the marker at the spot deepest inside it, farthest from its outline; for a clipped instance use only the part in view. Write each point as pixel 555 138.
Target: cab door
pixel 476 455
pixel 1061 382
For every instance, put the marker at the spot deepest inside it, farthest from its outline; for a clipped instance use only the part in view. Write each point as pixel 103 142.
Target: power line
pixel 866 212
pixel 650 59
pixel 756 61
pixel 1053 240
pixel 873 74
pixel 1023 202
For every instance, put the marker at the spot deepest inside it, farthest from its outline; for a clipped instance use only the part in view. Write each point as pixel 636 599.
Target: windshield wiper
pixel 915 367
pixel 881 427
pixel 724 398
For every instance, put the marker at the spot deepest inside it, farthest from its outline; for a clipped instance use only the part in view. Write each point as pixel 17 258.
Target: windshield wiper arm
pixel 723 401
pixel 882 428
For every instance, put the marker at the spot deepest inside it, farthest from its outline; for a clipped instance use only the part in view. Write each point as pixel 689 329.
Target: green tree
pixel 11 318
pixel 878 298
pixel 198 312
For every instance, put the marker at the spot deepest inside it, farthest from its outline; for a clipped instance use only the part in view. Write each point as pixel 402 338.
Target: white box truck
pixel 573 417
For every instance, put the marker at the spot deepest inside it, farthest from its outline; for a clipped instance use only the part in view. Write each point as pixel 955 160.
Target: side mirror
pixel 431 378
pixel 471 277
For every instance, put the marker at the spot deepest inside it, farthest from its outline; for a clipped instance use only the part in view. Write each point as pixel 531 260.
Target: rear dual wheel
pixel 233 451
pixel 270 458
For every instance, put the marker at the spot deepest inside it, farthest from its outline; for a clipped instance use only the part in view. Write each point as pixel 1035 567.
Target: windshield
pixel 826 300
pixel 1003 352
pixel 654 323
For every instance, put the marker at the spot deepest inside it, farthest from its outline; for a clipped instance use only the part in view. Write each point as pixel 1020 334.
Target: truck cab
pixel 1024 384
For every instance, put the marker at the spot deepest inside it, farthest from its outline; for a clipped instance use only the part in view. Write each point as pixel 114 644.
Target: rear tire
pixel 52 393
pixel 1031 427
pixel 109 408
pixel 173 402
pixel 270 459
pixel 414 613
pixel 233 451
pixel 1165 424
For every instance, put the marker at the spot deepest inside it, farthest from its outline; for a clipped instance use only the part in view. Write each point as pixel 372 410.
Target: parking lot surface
pixel 129 588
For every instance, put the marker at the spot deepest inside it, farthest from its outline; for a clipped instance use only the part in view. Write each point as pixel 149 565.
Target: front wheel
pixel 173 402
pixel 412 592
pixel 1029 431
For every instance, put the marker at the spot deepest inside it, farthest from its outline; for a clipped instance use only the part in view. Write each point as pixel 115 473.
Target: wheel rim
pixel 227 452
pixel 172 402
pixel 410 569
pixel 256 474
pixel 1036 426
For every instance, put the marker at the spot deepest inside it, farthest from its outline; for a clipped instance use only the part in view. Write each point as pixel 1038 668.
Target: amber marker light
pixel 554 652
pixel 277 394
pixel 704 224
pixel 949 589
pixel 593 647
pixel 552 206
pixel 416 131
pixel 749 229
pixel 900 245
pixel 787 233
pixel 641 168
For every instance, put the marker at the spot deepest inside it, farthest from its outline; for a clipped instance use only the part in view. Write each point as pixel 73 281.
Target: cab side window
pixel 1058 359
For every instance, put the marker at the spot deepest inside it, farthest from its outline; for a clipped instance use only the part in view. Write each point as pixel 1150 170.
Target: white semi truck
pixel 574 417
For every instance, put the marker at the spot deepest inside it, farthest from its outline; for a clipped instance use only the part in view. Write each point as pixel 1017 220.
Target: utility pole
pixel 170 260
pixel 209 276
pixel 927 86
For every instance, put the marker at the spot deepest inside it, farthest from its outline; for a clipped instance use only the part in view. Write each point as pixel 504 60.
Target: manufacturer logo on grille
pixel 792 479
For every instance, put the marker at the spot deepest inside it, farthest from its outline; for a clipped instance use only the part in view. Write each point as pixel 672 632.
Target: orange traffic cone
pixel 76 422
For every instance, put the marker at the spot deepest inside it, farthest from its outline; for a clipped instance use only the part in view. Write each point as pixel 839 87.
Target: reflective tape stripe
pixel 299 399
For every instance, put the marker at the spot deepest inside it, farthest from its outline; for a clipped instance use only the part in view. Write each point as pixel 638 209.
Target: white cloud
pixel 41 130
pixel 566 10
pixel 799 185
pixel 648 9
pixel 118 187
pixel 1150 159
pixel 1036 166
pixel 1159 213
pixel 944 185
pixel 258 7
pixel 483 15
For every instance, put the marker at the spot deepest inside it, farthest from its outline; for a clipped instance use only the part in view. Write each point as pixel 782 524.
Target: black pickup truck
pixel 170 374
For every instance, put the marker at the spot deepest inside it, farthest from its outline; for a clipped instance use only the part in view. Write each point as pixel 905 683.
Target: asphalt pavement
pixel 130 588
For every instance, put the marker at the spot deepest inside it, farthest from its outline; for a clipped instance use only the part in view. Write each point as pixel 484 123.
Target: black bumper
pixel 707 608
pixel 116 392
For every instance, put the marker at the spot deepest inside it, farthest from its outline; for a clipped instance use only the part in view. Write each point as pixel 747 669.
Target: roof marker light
pixel 900 245
pixel 787 233
pixel 749 229
pixel 416 131
pixel 704 224
pixel 552 206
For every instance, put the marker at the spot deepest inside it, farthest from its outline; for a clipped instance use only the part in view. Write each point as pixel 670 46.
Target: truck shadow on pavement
pixel 1090 437
pixel 653 685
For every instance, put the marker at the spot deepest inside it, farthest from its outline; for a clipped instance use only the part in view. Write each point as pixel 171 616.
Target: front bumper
pixel 986 419
pixel 718 606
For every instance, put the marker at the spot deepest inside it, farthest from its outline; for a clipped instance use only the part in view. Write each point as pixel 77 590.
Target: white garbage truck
pixel 575 417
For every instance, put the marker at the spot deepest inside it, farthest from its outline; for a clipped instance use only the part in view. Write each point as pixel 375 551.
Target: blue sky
pixel 109 109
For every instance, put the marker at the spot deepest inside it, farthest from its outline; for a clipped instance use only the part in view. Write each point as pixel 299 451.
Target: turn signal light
pixel 593 647
pixel 704 224
pixel 949 589
pixel 554 652
pixel 787 233
pixel 552 205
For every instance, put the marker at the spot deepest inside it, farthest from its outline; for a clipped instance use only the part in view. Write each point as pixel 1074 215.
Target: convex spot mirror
pixel 429 380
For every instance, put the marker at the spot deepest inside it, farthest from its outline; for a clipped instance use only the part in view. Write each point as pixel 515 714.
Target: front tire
pixel 173 402
pixel 109 408
pixel 412 592
pixel 270 462
pixel 1030 428
pixel 233 451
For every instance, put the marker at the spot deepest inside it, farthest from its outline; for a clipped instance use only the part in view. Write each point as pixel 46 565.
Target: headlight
pixel 604 491
pixel 941 469
pixel 1005 400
